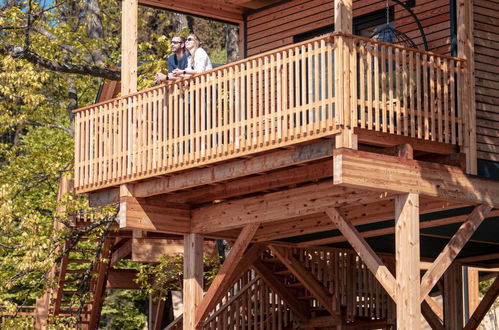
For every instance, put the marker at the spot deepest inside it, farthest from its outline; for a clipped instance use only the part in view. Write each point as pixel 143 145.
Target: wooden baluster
pixel 291 92
pixel 405 82
pixel 383 90
pixel 398 90
pixel 278 98
pixel 426 98
pixel 432 99
pixel 284 107
pixel 303 103
pixel 362 98
pixel 439 100
pixel 446 111
pixel 272 88
pixel 391 82
pixel 330 86
pixel 452 110
pixel 460 105
pixel 315 97
pixel 237 108
pixel 377 114
pixel 202 110
pixel 254 109
pixel 323 94
pixel 419 96
pixel 411 94
pixel 245 103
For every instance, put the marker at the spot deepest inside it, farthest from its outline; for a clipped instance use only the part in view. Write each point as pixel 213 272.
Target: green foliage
pixel 167 275
pixel 124 309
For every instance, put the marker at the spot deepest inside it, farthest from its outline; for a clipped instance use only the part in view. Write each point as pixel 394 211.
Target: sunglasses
pixel 176 42
pixel 189 39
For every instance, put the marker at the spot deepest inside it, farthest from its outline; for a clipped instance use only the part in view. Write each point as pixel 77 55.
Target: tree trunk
pixel 232 37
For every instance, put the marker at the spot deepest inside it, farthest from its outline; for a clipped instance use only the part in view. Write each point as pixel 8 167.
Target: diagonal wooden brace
pixel 370 258
pixel 452 249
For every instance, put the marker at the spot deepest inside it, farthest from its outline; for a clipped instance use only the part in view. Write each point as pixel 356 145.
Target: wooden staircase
pixel 82 276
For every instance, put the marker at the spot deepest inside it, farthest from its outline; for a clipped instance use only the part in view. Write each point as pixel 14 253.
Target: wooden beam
pixel 281 205
pixel 193 278
pixel 484 306
pixel 369 257
pixel 104 197
pixel 482 257
pixel 220 284
pixel 434 321
pixel 453 297
pixel 122 279
pixel 376 212
pixel 452 249
pixel 252 184
pixel 129 37
pixel 122 252
pixel 152 249
pixel 407 261
pixel 366 170
pixel 473 289
pixel 298 308
pixel 235 169
pixel 153 215
pixel 306 279
pixel 210 9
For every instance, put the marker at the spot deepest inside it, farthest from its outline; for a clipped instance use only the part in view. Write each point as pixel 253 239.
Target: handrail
pixel 286 96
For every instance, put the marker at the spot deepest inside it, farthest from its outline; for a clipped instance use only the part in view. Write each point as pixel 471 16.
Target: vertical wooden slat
pixel 370 58
pixel 237 108
pixel 323 94
pixel 362 59
pixel 411 95
pixel 291 92
pixel 272 86
pixel 445 110
pixel 391 87
pixel 280 96
pixel 383 90
pixel 432 98
pixel 266 105
pixel 405 108
pixel 398 90
pixel 439 99
pixel 419 96
pixel 426 96
pixel 377 115
pixel 303 110
pixel 316 92
pixel 452 110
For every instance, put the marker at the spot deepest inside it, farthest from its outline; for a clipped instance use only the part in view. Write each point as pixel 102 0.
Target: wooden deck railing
pixel 275 99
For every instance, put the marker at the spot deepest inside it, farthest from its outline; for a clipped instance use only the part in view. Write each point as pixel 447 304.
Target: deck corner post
pixel 453 297
pixel 129 37
pixel 465 51
pixel 345 75
pixel 407 261
pixel 193 278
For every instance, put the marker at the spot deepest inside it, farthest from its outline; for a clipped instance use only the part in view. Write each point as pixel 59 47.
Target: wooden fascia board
pixel 122 279
pixel 141 214
pixel 367 254
pixel 306 278
pixel 452 249
pixel 209 9
pixel 366 170
pixel 247 185
pixel 224 277
pixel 234 169
pixel 278 206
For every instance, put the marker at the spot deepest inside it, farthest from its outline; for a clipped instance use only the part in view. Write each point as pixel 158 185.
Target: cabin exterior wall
pixel 276 26
pixel 486 47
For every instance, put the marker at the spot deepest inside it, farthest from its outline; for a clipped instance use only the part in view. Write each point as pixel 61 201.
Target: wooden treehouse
pixel 355 179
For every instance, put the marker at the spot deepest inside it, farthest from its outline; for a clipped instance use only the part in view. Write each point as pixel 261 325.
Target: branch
pixel 94 71
pixel 65 129
pixel 10 247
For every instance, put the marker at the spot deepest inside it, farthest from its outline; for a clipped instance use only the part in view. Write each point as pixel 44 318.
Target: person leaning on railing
pixel 176 61
pixel 199 61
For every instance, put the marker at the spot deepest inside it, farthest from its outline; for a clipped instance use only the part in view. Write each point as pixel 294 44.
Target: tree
pixel 54 55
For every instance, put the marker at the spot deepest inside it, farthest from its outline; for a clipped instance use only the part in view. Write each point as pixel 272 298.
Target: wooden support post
pixel 453 297
pixel 222 281
pixel 129 19
pixel 484 306
pixel 345 64
pixel 465 50
pixel 452 249
pixel 407 261
pixel 193 278
pixel 473 289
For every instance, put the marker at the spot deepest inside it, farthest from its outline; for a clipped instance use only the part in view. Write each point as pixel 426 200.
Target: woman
pixel 199 60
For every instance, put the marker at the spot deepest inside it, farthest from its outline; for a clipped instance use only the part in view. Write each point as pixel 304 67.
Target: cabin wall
pixel 276 26
pixel 486 47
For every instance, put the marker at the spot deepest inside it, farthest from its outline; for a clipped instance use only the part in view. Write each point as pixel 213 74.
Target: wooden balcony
pixel 288 96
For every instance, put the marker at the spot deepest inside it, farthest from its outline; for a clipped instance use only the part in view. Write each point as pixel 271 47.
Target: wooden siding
pixel 276 26
pixel 486 42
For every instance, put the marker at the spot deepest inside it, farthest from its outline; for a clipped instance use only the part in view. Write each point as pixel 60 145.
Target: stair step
pixel 72 292
pixel 295 285
pixel 79 261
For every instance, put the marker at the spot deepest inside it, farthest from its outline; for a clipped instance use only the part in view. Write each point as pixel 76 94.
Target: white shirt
pixel 201 61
